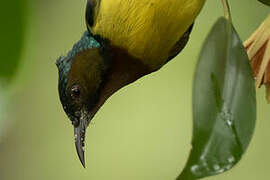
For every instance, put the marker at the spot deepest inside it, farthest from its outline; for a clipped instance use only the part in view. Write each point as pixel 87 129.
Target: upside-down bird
pixel 124 40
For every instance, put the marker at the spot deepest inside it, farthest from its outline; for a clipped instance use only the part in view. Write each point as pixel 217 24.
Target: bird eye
pixel 75 92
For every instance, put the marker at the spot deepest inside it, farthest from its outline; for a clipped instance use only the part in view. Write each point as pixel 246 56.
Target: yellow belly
pixel 147 29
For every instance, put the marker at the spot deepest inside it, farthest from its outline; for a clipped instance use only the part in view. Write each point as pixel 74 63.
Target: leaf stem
pixel 227 11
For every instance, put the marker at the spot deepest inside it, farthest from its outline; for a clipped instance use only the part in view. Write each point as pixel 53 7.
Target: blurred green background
pixel 143 132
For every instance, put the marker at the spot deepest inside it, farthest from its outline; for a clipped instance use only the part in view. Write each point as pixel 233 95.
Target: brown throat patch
pixel 124 70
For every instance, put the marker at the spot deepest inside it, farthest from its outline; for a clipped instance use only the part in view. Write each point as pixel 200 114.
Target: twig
pixel 227 12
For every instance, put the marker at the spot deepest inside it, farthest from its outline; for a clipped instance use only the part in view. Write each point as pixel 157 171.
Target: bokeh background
pixel 143 132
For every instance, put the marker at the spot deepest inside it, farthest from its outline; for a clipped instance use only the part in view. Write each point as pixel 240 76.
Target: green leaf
pixel 12 31
pixel 224 104
pixel 266 2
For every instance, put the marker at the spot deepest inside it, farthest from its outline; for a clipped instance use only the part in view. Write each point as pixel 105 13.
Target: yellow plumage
pixel 147 29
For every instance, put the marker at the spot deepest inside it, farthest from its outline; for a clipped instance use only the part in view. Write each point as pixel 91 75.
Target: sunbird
pixel 124 41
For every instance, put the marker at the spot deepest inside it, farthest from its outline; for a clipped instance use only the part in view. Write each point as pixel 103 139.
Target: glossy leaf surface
pixel 224 104
pixel 266 2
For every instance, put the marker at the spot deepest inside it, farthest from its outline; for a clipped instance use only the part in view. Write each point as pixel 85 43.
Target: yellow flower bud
pixel 258 50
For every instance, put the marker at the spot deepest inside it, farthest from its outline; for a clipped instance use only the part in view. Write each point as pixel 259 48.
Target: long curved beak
pixel 79 133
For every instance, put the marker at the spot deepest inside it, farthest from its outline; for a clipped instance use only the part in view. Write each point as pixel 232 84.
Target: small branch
pixel 227 12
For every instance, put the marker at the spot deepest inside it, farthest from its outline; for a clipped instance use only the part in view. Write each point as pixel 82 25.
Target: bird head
pixel 81 78
pixel 90 73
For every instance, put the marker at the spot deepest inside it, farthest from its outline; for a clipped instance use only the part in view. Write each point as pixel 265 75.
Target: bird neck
pixel 124 69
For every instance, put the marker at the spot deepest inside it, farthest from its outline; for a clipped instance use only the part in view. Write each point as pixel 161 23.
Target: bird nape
pixel 116 51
